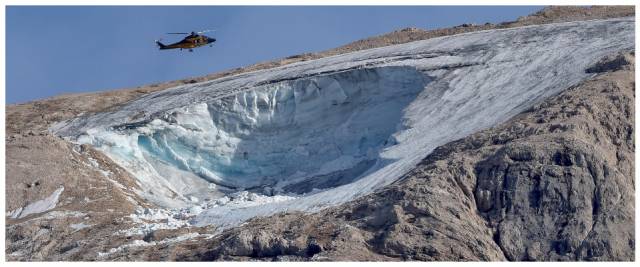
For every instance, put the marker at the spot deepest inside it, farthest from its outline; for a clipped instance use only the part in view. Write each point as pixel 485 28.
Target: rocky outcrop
pixel 96 199
pixel 554 183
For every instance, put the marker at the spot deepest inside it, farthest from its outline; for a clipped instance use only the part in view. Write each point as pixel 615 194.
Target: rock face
pixel 554 183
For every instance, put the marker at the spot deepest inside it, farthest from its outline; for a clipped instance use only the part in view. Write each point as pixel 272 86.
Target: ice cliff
pixel 318 133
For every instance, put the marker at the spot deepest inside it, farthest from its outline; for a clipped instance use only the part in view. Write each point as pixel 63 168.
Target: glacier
pixel 318 133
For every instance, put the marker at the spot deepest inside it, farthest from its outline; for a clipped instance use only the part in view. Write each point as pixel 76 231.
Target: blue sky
pixel 66 49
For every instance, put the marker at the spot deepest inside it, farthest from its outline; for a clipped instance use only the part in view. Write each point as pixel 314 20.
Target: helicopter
pixel 193 40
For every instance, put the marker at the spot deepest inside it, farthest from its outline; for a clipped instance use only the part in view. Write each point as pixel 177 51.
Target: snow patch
pixel 79 226
pixel 142 243
pixel 148 220
pixel 62 214
pixel 38 206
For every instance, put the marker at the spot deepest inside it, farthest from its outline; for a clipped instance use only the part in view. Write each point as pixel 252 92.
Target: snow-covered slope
pixel 322 132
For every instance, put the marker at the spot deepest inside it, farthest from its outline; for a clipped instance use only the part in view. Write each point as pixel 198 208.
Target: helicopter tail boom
pixel 161 45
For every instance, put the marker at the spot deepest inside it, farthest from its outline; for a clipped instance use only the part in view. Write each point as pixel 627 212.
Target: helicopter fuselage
pixel 189 42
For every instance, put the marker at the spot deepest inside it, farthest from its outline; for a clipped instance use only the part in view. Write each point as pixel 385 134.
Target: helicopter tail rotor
pixel 161 45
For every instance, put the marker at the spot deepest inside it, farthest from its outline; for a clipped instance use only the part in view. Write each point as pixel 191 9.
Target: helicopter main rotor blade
pixel 178 33
pixel 206 31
